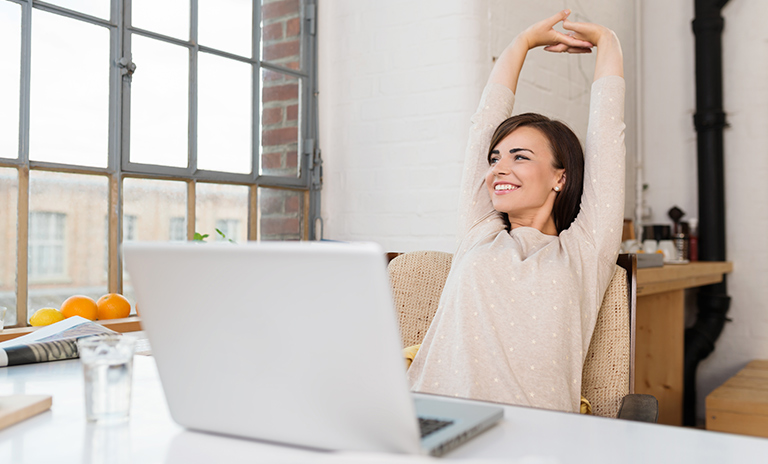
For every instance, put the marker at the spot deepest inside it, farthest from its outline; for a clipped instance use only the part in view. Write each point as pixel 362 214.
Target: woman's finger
pixel 573 41
pixel 557 17
pixel 563 48
pixel 558 48
pixel 587 31
pixel 578 50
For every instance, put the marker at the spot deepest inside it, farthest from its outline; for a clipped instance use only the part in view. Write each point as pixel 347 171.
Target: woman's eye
pixel 520 157
pixel 493 160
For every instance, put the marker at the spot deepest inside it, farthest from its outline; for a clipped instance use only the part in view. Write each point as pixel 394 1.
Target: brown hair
pixel 567 154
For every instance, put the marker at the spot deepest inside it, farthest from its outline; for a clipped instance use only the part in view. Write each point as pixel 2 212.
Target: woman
pixel 518 309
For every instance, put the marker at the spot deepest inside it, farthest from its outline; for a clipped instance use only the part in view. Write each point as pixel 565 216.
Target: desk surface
pixel 63 435
pixel 671 277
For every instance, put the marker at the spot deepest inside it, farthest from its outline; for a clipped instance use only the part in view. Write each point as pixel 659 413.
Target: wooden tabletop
pixel 680 276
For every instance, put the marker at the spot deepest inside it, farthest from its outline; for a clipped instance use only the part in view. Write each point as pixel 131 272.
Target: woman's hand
pixel 593 33
pixel 543 34
pixel 609 57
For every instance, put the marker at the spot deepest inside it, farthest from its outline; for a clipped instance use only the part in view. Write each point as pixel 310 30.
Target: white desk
pixel 62 435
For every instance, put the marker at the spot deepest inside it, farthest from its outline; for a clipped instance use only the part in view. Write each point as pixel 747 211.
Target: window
pixel 168 118
pixel 129 228
pixel 229 228
pixel 178 229
pixel 46 245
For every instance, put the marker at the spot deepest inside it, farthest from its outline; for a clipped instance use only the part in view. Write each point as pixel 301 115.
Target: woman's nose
pixel 501 167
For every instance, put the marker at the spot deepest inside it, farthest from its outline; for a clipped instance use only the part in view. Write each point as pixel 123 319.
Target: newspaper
pixel 51 343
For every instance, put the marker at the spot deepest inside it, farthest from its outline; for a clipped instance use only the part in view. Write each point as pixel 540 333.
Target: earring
pixel 557 188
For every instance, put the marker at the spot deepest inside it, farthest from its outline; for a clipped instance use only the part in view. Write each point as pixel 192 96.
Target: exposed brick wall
pixel 280 214
pixel 281 44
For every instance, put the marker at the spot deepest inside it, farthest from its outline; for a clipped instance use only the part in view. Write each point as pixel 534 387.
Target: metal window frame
pixel 309 179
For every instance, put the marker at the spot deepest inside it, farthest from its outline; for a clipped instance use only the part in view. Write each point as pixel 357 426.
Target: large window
pixel 167 118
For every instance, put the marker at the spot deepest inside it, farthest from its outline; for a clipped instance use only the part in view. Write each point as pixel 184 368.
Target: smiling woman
pixel 537 246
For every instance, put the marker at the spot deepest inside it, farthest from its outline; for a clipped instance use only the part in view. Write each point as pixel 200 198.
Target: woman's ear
pixel 561 182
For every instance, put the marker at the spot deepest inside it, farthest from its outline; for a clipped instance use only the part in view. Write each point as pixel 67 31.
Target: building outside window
pixel 46 245
pixel 170 112
pixel 177 230
pixel 228 227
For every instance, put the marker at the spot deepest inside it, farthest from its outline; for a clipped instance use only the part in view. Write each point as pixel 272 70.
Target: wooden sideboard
pixel 660 330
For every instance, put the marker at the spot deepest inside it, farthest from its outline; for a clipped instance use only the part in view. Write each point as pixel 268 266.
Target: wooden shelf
pixel 128 324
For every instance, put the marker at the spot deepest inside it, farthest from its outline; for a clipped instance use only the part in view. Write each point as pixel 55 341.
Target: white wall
pixel 398 83
pixel 670 157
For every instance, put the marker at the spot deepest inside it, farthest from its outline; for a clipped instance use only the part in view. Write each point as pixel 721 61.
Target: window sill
pixel 128 324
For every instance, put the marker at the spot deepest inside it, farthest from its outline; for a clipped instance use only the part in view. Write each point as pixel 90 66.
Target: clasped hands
pixel 581 38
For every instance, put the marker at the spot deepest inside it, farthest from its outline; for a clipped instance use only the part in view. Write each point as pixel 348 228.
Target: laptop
pixel 288 342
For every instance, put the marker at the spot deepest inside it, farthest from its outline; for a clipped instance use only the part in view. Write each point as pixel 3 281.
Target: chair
pixel 418 279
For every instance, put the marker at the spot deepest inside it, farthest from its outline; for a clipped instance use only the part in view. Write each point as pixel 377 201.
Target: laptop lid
pixel 291 342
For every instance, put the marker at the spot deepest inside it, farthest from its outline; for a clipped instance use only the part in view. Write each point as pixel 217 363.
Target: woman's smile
pixel 502 188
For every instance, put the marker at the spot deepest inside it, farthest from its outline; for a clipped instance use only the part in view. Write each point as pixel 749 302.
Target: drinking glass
pixel 107 373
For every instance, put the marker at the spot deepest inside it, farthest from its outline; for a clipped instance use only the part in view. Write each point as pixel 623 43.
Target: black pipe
pixel 713 300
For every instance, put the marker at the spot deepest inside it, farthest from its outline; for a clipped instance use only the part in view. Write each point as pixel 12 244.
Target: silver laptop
pixel 293 342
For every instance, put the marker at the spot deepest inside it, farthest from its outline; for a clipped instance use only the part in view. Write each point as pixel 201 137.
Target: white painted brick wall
pixel 398 83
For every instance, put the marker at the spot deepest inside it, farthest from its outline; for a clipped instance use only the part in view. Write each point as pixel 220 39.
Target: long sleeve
pixel 602 204
pixel 474 203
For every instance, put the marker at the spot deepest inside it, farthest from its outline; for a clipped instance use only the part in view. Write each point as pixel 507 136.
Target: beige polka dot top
pixel 518 309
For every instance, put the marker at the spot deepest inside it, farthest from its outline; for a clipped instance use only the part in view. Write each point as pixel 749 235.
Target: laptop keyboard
pixel 429 426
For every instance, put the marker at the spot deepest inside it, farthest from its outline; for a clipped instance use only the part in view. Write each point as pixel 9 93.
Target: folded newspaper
pixel 51 343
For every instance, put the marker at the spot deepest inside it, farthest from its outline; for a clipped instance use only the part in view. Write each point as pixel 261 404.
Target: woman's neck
pixel 544 225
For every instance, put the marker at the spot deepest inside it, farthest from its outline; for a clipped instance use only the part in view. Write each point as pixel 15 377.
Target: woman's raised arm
pixel 506 71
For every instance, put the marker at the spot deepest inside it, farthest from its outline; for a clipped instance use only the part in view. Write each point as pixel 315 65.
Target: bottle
pixel 680 238
pixel 693 239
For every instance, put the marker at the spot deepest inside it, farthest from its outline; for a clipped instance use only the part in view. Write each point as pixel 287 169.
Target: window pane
pixel 226 25
pixel 281 32
pixel 167 17
pixel 280 213
pixel 69 114
pixel 223 207
pixel 155 205
pixel 98 8
pixel 279 124
pixel 10 75
pixel 66 219
pixel 9 197
pixel 224 114
pixel 159 103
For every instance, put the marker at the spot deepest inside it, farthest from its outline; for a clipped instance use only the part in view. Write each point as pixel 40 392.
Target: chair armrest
pixel 642 408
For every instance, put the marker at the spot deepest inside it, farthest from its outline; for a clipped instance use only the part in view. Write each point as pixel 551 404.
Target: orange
pixel 79 305
pixel 113 306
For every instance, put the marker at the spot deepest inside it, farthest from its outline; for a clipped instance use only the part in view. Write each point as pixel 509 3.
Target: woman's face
pixel 521 177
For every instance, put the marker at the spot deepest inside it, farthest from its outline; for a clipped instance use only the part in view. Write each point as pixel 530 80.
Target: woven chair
pixel 418 279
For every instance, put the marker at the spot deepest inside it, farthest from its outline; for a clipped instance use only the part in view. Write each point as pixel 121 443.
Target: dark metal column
pixel 713 300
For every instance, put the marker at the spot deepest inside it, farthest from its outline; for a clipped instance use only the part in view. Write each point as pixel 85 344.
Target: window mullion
pixel 26 66
pixel 255 113
pixel 191 202
pixel 22 253
pixel 193 52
